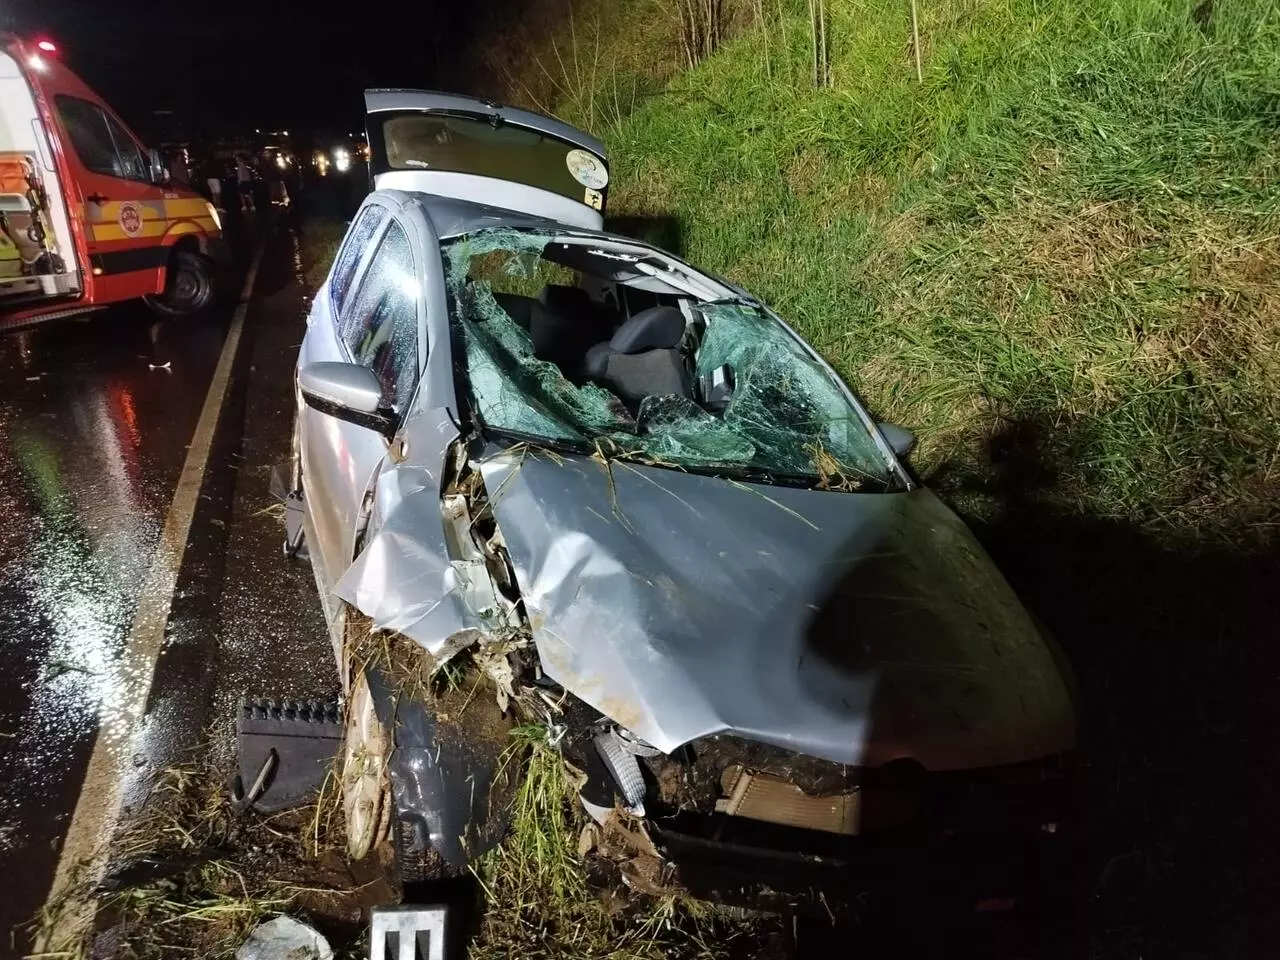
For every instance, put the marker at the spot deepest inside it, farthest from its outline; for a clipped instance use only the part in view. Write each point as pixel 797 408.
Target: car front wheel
pixel 366 800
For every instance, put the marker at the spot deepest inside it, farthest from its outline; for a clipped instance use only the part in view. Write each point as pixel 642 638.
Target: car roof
pixel 452 218
pixel 384 99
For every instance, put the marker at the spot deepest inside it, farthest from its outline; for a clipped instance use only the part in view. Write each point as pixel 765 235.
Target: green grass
pixel 1057 259
pixel 319 240
pixel 538 903
pixel 1069 230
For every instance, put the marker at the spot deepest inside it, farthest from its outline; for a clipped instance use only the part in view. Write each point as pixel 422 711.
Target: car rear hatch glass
pixel 442 133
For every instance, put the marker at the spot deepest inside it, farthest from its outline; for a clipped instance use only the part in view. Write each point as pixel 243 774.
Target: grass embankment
pixel 1068 229
pixel 1056 259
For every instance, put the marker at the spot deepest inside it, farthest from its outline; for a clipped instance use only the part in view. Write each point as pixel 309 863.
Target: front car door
pixel 372 312
pixel 479 151
pixel 124 211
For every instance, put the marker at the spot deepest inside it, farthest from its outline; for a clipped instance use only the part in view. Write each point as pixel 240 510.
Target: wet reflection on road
pixel 94 422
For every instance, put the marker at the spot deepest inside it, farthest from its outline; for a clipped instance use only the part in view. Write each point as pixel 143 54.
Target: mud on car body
pixel 646 515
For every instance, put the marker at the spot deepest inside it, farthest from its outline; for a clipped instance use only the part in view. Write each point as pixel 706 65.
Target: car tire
pixel 189 285
pixel 414 866
pixel 363 780
pixel 374 827
pixel 374 830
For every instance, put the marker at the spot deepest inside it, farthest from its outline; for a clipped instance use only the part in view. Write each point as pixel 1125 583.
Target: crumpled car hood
pixel 857 628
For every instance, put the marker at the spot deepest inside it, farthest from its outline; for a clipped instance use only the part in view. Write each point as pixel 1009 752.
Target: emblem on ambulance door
pixel 130 219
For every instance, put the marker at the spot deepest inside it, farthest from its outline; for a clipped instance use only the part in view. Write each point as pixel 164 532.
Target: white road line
pixel 68 909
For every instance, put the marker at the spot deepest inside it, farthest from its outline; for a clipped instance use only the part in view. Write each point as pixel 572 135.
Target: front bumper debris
pixel 284 749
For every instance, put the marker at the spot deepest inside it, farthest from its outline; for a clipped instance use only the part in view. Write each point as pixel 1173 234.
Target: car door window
pixel 353 249
pixel 380 328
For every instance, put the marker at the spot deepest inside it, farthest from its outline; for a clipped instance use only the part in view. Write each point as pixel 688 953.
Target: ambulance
pixel 88 216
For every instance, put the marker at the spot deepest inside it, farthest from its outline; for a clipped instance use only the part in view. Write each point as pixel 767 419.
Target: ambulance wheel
pixel 188 285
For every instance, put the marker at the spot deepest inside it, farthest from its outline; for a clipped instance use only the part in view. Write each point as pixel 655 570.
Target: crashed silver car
pixel 644 514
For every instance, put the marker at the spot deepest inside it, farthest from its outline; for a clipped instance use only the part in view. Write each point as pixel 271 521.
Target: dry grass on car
pixel 536 898
pixel 540 905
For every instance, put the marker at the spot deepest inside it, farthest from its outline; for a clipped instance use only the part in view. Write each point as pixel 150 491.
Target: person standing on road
pixel 244 178
pixel 213 177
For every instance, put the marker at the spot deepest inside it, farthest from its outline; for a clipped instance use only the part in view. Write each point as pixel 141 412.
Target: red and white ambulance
pixel 88 216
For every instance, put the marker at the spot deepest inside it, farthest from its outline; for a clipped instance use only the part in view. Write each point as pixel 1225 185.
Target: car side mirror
pixel 159 172
pixel 901 440
pixel 346 391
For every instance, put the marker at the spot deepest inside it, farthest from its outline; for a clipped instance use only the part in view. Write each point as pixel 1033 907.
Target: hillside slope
pixel 1056 257
pixel 1065 234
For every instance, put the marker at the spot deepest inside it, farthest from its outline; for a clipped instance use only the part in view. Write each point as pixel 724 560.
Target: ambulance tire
pixel 189 285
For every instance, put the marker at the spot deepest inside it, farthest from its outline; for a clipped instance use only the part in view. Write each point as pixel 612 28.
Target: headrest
pixel 657 328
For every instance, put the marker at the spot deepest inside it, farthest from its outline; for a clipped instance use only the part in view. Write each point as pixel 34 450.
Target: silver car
pixel 629 499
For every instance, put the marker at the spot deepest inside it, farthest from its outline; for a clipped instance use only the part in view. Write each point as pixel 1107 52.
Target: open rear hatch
pixel 37 255
pixel 475 150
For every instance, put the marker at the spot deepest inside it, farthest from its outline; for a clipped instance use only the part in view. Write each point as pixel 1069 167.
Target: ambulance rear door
pixel 38 261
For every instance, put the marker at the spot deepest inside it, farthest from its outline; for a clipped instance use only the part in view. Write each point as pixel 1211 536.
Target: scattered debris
pixel 284 748
pixel 161 366
pixel 541 887
pixel 191 875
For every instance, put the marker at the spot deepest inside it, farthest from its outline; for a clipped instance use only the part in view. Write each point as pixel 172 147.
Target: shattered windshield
pixel 729 391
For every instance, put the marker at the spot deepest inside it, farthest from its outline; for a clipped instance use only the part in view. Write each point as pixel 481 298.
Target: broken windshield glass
pixel 785 415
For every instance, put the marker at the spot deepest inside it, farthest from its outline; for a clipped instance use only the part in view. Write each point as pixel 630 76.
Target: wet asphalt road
pixel 92 438
pixel 95 420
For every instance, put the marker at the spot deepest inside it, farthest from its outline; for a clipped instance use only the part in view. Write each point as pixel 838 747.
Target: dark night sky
pixel 257 63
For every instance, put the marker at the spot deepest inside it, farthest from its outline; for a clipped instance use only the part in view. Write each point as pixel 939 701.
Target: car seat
pixel 563 324
pixel 642 358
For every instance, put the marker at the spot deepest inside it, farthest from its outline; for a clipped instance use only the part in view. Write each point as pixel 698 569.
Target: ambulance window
pixel 344 268
pixel 101 143
pixel 87 127
pixel 132 162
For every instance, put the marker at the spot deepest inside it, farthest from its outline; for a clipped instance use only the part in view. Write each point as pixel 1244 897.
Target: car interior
pixel 640 348
pixel 576 342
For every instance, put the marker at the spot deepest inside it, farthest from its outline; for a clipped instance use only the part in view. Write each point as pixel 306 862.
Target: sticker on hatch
pixel 588 169
pixel 130 219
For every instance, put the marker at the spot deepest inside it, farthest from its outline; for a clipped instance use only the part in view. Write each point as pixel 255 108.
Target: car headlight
pixel 213 214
